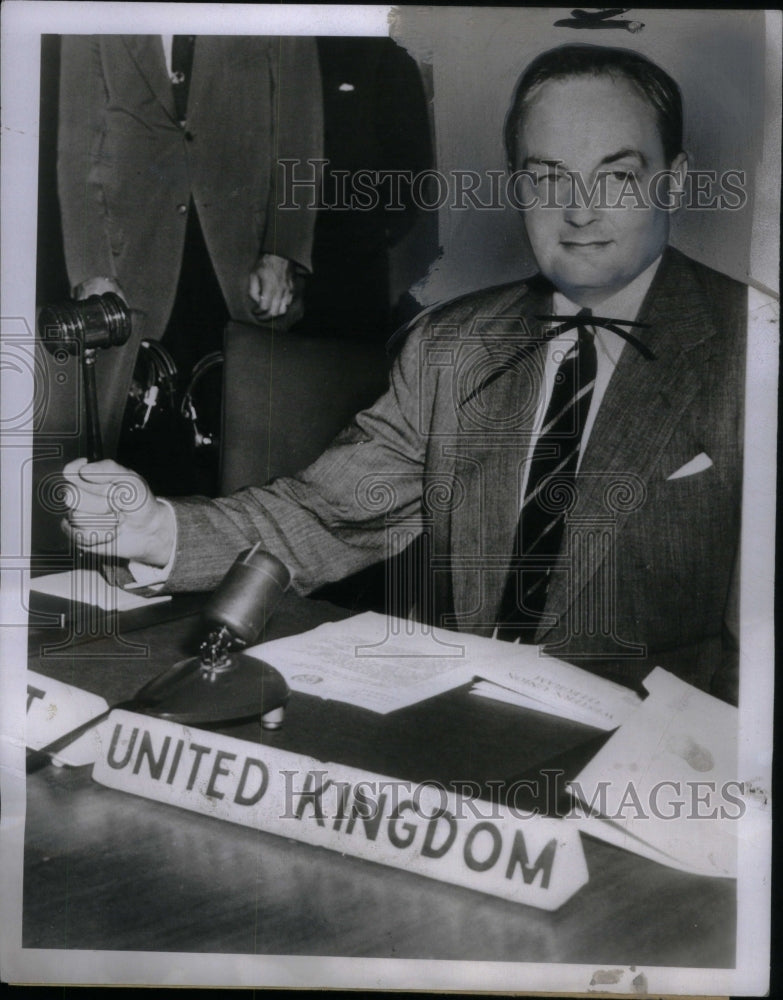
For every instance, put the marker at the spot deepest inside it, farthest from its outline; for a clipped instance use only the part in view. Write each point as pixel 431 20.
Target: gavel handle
pixel 94 442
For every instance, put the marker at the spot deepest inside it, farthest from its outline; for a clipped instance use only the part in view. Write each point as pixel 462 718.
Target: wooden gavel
pixel 82 328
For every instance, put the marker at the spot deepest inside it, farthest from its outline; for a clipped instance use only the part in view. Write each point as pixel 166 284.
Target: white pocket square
pixel 698 464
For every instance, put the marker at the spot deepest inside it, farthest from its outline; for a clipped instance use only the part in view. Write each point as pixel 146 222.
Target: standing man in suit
pixel 570 444
pixel 168 150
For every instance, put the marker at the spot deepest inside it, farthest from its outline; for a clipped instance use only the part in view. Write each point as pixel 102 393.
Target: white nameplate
pixel 421 828
pixel 53 709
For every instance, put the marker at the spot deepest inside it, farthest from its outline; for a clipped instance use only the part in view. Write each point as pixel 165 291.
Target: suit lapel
pixel 644 402
pixel 147 53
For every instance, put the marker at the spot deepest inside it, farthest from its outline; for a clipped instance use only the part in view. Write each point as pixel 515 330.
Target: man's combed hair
pixel 567 61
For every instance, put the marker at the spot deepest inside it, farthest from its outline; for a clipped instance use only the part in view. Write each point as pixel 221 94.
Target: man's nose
pixel 580 208
pixel 579 215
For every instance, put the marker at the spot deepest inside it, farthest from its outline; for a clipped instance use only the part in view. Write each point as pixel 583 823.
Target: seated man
pixel 569 446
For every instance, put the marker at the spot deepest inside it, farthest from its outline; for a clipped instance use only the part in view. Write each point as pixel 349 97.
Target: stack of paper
pixel 664 785
pixel 87 586
pixel 384 663
pixel 523 675
pixel 605 711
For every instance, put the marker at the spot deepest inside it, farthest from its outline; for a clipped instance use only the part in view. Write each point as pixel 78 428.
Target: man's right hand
pixel 98 286
pixel 113 513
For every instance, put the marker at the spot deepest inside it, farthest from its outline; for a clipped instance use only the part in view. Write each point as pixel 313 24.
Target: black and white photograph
pixel 388 448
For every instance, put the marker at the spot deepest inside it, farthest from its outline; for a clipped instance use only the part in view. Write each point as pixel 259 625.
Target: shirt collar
pixel 625 304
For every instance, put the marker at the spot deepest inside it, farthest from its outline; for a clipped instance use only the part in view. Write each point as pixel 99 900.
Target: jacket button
pixel 182 209
pixel 189 136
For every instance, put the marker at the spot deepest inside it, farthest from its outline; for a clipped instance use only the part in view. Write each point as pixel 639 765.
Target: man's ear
pixel 679 171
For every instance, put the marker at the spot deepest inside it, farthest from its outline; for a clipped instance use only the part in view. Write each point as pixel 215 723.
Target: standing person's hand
pixel 113 513
pixel 98 286
pixel 271 286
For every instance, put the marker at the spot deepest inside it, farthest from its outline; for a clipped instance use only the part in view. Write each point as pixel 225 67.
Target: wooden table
pixel 106 870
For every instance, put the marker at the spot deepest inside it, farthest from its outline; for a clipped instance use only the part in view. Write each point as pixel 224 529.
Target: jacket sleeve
pixel 331 519
pixel 298 138
pixel 81 103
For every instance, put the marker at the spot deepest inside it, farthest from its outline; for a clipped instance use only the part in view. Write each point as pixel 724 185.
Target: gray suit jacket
pixel 646 569
pixel 126 169
pixel 125 165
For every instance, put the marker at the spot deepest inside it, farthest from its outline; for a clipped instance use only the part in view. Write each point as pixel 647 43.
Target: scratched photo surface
pixel 552 300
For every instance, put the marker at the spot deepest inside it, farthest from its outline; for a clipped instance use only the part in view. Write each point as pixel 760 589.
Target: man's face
pixel 601 129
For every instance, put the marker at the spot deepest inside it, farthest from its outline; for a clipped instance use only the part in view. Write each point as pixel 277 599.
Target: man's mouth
pixel 578 246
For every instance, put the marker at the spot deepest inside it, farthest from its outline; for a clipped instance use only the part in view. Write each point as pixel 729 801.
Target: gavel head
pixel 98 321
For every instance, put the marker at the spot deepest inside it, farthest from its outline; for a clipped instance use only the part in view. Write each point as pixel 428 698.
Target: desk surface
pixel 106 870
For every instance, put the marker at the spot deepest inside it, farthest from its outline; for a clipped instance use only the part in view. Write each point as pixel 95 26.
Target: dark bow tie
pixel 605 323
pixel 582 319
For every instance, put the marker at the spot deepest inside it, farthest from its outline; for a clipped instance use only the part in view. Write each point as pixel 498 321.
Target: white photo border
pixel 23 24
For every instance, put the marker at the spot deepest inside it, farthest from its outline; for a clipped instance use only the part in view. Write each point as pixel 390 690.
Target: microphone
pixel 247 595
pixel 221 684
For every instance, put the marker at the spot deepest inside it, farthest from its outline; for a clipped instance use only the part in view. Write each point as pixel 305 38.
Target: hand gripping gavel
pixel 81 328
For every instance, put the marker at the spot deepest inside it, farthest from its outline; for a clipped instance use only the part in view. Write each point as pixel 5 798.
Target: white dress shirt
pixel 168 43
pixel 608 348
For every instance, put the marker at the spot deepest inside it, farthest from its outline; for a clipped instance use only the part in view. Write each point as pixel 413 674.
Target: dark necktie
pixel 552 471
pixel 181 66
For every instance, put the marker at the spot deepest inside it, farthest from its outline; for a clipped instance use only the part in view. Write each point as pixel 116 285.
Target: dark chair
pixel 285 396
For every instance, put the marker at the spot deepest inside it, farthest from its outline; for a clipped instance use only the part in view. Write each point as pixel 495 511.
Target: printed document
pixel 383 663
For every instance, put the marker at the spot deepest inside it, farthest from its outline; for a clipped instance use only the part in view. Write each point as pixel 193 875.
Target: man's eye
pixel 622 175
